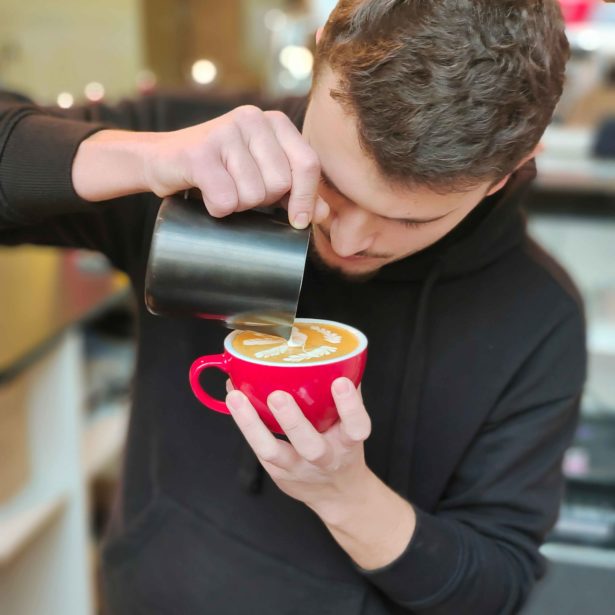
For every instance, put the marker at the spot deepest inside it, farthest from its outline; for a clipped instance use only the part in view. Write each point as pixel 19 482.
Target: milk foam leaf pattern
pixel 333 338
pixel 272 352
pixel 321 351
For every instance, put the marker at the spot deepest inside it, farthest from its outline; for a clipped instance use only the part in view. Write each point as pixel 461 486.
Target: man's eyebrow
pixel 418 220
pixel 327 180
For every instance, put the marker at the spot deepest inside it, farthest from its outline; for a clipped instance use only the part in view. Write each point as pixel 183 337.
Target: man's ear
pixel 496 187
pixel 319 34
pixel 537 150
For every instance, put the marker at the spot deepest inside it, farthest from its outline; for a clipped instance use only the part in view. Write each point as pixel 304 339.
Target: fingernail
pixel 278 400
pixel 234 400
pixel 301 221
pixel 341 386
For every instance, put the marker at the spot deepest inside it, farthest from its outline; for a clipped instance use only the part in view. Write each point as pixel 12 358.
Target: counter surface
pixel 44 291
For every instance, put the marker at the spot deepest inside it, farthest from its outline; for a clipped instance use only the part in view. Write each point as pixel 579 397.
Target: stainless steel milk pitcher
pixel 244 271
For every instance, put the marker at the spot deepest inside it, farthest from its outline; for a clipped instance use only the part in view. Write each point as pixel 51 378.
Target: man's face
pixel 372 221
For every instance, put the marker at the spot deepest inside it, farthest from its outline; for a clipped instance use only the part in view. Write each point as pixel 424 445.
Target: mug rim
pixel 360 336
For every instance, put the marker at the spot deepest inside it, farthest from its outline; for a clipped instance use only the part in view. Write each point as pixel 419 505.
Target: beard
pixel 322 264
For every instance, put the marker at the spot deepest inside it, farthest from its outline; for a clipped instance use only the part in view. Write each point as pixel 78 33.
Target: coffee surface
pixel 311 342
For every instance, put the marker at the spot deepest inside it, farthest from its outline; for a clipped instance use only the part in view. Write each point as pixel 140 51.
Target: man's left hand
pixel 319 469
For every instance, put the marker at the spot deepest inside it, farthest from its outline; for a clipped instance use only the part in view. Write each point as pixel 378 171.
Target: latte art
pixel 310 342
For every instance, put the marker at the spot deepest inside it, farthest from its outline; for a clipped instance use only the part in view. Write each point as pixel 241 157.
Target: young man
pixel 435 490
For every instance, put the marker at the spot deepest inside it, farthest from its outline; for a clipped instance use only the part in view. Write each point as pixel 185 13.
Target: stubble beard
pixel 322 264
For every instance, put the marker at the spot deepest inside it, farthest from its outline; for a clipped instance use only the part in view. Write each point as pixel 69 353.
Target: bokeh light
pixel 275 20
pixel 94 91
pixel 65 100
pixel 297 60
pixel 204 71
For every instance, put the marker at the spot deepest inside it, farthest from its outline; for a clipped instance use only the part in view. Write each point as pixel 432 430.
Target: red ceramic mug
pixel 309 383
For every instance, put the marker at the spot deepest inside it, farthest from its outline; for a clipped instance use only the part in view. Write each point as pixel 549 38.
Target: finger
pixel 229 386
pixel 311 445
pixel 322 211
pixel 270 158
pixel 265 446
pixel 355 424
pixel 304 166
pixel 247 177
pixel 217 187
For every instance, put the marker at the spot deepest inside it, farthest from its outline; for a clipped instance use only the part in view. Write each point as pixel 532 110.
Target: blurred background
pixel 66 319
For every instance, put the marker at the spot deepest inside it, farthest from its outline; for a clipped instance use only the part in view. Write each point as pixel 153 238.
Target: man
pixel 436 488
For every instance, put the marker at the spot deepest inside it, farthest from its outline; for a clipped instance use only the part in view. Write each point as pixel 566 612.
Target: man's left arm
pixel 478 553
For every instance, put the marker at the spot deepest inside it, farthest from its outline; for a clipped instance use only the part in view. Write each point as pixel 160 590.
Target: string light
pixel 297 60
pixel 275 20
pixel 588 40
pixel 65 100
pixel 94 91
pixel 146 81
pixel 204 71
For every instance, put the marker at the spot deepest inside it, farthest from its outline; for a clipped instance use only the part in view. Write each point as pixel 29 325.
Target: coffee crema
pixel 311 342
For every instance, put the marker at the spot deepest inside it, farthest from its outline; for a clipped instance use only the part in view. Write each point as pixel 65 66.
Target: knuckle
pixel 268 454
pixel 277 116
pixel 248 113
pixel 222 207
pixel 254 197
pixel 361 433
pixel 316 455
pixel 290 424
pixel 225 132
pixel 335 464
pixel 309 163
pixel 279 185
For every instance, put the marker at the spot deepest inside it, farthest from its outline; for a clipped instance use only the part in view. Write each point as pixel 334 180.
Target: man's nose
pixel 351 233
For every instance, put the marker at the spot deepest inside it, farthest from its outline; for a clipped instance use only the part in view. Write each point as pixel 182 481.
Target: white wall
pixel 49 46
pixel 322 8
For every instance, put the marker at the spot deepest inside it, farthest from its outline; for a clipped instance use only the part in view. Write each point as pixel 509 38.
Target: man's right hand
pixel 241 160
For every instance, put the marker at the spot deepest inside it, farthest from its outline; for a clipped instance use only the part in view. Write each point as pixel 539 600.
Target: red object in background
pixel 576 11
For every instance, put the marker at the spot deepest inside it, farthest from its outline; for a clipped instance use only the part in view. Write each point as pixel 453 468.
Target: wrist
pixel 373 525
pixel 338 512
pixel 112 163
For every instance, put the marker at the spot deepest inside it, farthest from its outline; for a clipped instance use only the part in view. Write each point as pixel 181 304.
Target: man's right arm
pixel 241 160
pixel 51 165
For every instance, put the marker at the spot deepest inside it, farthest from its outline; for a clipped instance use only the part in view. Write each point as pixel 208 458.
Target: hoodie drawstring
pixel 405 419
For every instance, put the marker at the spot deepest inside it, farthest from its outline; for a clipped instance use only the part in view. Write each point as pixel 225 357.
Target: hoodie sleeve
pixel 38 203
pixel 479 551
pixel 36 154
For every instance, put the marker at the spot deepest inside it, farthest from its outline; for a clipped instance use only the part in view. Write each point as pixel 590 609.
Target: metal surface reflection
pixel 244 270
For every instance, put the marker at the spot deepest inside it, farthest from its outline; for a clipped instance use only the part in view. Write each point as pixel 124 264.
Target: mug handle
pixel 219 361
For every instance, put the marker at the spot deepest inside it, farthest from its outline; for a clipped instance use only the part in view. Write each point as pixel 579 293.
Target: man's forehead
pixel 332 132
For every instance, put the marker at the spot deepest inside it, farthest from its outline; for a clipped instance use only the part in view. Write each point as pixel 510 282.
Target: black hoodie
pixel 475 370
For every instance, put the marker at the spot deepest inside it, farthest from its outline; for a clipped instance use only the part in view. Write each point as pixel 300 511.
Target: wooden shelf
pixel 20 530
pixel 103 439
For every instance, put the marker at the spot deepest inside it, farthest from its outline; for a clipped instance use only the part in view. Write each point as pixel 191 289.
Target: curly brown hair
pixel 446 93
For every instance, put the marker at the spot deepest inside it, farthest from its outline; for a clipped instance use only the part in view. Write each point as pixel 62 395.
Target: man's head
pixel 421 109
